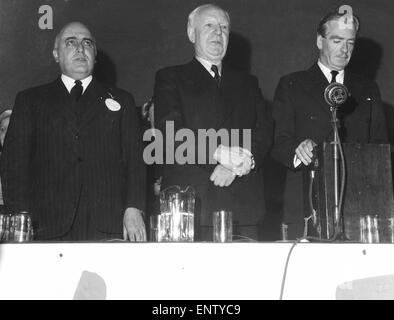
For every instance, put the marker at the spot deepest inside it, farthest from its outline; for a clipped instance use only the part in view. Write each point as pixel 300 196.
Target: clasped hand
pixel 236 159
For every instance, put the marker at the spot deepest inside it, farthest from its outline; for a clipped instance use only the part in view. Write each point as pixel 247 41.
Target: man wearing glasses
pixel 72 156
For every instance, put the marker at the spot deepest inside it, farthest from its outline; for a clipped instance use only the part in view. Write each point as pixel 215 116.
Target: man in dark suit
pixel 303 118
pixel 206 94
pixel 73 152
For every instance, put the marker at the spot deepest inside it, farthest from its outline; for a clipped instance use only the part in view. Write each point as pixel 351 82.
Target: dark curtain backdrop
pixel 269 38
pixel 135 38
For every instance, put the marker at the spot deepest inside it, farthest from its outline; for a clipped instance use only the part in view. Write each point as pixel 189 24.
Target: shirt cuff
pixel 296 161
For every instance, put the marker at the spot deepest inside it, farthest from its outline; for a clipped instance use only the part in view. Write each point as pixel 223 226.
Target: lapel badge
pixel 112 104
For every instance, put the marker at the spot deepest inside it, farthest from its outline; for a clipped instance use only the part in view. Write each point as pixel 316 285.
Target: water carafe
pixel 176 220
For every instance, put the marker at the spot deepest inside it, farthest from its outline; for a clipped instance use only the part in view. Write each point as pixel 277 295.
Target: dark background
pixel 137 37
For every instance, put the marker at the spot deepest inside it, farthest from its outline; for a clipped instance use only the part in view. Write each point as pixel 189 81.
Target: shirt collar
pixel 70 82
pixel 327 73
pixel 207 65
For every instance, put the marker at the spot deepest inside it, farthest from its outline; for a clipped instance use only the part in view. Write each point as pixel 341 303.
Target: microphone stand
pixel 339 233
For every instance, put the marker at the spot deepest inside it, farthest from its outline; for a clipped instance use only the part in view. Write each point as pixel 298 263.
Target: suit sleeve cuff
pixel 296 161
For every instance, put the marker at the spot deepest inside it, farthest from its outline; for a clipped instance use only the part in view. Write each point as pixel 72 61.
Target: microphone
pixel 335 94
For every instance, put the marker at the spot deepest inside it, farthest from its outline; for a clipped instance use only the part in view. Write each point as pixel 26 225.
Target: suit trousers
pixel 83 227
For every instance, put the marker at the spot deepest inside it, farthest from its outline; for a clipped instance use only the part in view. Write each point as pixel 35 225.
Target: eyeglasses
pixel 74 43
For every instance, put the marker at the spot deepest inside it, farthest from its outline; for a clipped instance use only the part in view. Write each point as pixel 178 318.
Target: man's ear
pixel 191 34
pixel 55 55
pixel 319 41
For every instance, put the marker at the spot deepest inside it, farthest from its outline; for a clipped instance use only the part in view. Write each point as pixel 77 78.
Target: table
pixel 194 271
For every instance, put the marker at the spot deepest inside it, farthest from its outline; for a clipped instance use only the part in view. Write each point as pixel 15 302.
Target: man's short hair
pixel 192 15
pixel 331 16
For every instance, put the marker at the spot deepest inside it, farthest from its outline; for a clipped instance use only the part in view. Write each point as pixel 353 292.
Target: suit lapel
pixel 355 91
pixel 204 94
pixel 61 114
pixel 199 75
pixel 220 101
pixel 315 83
pixel 230 87
pixel 93 103
pixel 59 103
pixel 352 86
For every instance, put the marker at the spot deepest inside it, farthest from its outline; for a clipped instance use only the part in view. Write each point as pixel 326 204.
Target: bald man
pixel 72 156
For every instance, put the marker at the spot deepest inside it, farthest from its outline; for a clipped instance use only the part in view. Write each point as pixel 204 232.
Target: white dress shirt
pixel 70 82
pixel 207 65
pixel 327 73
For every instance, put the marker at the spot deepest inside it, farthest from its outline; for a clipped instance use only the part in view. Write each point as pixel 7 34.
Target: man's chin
pixel 342 63
pixel 79 74
pixel 215 50
pixel 80 64
pixel 216 55
pixel 81 70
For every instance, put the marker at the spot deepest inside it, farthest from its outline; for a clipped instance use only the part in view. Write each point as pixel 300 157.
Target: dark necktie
pixel 215 70
pixel 76 91
pixel 334 76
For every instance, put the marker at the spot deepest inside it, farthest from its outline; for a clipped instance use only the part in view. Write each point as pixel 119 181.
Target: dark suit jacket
pixel 188 95
pixel 54 162
pixel 300 112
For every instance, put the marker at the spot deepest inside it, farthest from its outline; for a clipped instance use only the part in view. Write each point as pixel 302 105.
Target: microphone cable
pixel 282 287
pixel 310 199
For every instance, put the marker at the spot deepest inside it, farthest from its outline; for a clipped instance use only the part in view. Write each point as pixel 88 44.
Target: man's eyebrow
pixel 73 38
pixel 339 37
